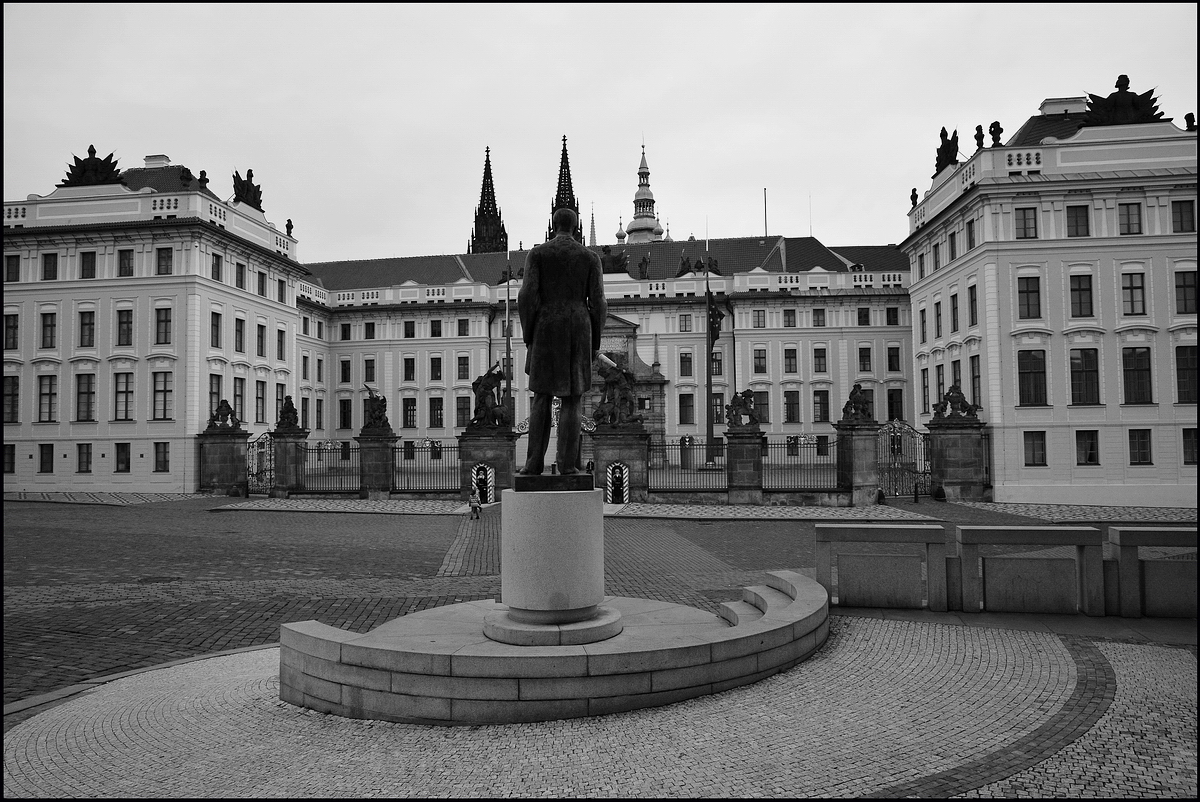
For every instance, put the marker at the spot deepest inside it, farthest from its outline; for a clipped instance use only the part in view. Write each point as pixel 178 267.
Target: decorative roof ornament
pixel 246 191
pixel 92 171
pixel 1123 107
pixel 947 152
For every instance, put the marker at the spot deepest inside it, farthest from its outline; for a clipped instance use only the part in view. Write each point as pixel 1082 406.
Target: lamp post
pixel 509 402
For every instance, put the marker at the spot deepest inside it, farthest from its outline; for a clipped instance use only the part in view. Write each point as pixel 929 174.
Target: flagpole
pixel 708 415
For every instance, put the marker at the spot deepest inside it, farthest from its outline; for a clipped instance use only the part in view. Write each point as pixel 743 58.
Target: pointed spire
pixel 592 238
pixel 564 197
pixel 489 235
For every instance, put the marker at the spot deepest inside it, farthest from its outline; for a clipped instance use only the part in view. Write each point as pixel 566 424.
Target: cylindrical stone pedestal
pixel 552 555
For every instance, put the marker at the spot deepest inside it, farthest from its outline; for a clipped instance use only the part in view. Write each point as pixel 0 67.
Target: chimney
pixel 158 160
pixel 1062 105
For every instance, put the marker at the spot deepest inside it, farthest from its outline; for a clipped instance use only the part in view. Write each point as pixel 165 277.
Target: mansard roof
pixel 1040 126
pixel 389 272
pixel 164 179
pixel 875 258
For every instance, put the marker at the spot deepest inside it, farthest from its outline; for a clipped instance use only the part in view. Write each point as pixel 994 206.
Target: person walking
pixel 474 502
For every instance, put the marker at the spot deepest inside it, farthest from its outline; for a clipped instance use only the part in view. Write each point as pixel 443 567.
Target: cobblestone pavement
pixel 1064 513
pixel 891 706
pixel 115 499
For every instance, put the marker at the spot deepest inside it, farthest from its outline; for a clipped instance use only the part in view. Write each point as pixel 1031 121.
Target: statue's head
pixel 565 221
pixel 1122 82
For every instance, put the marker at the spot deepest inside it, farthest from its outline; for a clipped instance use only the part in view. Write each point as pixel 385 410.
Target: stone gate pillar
pixel 957 458
pixel 629 445
pixel 376 464
pixel 288 444
pixel 223 460
pixel 744 465
pixel 858 461
pixel 492 446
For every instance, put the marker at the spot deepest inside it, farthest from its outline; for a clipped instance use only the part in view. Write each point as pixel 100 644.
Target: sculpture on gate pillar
pixel 955 405
pixel 856 409
pixel 289 420
pixel 489 413
pixel 739 412
pixel 616 406
pixel 224 418
pixel 376 414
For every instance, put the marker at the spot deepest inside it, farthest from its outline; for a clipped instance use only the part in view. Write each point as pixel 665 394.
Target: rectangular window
pixel 85 397
pixel 1079 221
pixel 972 306
pixel 820 405
pixel 12 329
pixel 87 264
pixel 281 290
pixel 1129 218
pixel 260 340
pixel 1185 373
pixel 952 245
pixel 304 367
pixel 864 316
pixel 1081 296
pixel 685 322
pixel 1087 447
pixel 920 266
pixel 685 364
pixel 410 369
pixel 409 410
pixel 319 414
pixel 789 360
pixel 1035 448
pixel 864 360
pixel 687 408
pixel 1185 292
pixel 87 329
pixel 464 368
pixel 1183 217
pixel 49 329
pixel 12 267
pixel 49 267
pixel 1031 378
pixel 345 331
pixel 956 373
pixel 260 402
pixel 345 411
pixel 239 335
pixel 895 404
pixel 239 398
pixel 122 396
pixel 163 262
pixel 121 458
pixel 240 277
pixel 124 263
pixel 1189 447
pixel 759 318
pixel 1085 376
pixel 1026 223
pixel 954 312
pixel 893 316
pixel 435 328
pixel 162 326
pixel 1139 447
pixel 789 318
pixel 216 267
pixel 320 370
pixel 762 406
pixel 716 360
pixel 716 407
pixel 818 318
pixel 760 360
pixel 320 330
pixel 214 337
pixel 435 368
pixel 46 458
pixel 164 403
pixel 47 399
pixel 893 357
pixel 345 371
pixel 462 411
pixel 369 330
pixel 1029 298
pixel 937 258
pixel 12 398
pixel 1136 364
pixel 368 370
pixel 923 328
pixel 937 319
pixel 280 336
pixel 304 326
pixel 819 361
pixel 791 406
pixel 303 413
pixel 924 389
pixel 410 329
pixel 162 457
pixel 83 457
pixel 970 234
pixel 1133 293
pixel 262 284
pixel 939 372
pixel 436 413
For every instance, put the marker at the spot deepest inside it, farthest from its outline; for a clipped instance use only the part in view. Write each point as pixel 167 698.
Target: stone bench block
pixel 585 687
pixel 1030 535
pixel 704 674
pixel 1152 536
pixel 880 580
pixel 310 685
pixel 750 639
pixel 492 659
pixel 647 654
pixel 454 687
pixel 399 707
pixel 315 638
pixel 343 674
pixel 739 612
pixel 880 533
pixel 402 654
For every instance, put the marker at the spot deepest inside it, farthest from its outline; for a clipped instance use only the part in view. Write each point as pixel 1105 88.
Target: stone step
pixel 764 597
pixel 739 612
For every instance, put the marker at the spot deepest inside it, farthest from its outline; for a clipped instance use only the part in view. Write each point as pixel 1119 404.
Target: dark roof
pixel 876 258
pixel 1041 126
pixel 805 253
pixel 164 179
pixel 387 272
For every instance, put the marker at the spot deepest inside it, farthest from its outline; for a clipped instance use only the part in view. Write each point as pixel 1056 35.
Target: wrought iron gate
pixel 903 460
pixel 260 464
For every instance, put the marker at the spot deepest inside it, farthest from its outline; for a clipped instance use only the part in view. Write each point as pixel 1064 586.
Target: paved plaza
pixel 897 703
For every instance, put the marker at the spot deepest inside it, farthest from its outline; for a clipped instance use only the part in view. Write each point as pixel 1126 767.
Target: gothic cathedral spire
pixel 565 196
pixel 488 235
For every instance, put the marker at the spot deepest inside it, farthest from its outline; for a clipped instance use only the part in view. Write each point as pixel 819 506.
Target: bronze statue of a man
pixel 562 311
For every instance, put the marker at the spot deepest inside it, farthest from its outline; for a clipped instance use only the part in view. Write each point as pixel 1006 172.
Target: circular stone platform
pixel 438 667
pixel 501 626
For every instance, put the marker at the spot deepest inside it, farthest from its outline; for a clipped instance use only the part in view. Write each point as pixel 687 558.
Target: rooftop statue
pixel 995 130
pixel 979 137
pixel 1123 107
pixel 685 266
pixel 947 152
pixel 913 197
pixel 246 191
pixel 562 311
pixel 614 262
pixel 644 267
pixel 92 171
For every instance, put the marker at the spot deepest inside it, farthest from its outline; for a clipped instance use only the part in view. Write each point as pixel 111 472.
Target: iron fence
pixel 800 462
pixel 426 466
pixel 687 465
pixel 330 466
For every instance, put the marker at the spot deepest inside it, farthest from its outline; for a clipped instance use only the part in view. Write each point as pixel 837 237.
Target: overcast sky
pixel 367 125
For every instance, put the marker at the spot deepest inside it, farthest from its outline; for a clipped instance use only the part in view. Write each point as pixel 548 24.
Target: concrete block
pixel 584 687
pixel 453 687
pixel 739 612
pixel 326 706
pixel 401 706
pixel 1030 585
pixel 315 638
pixel 879 533
pixel 758 636
pixel 782 654
pixel 1169 588
pixel 670 652
pixel 290 694
pixel 472 711
pixel 879 580
pixel 552 550
pixel 310 685
pixel 1030 535
pixel 1183 536
pixel 704 674
pixel 354 676
pixel 619 704
pixel 397 657
pixel 493 659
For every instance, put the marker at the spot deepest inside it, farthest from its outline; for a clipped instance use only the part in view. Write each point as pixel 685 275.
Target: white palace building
pixel 135 300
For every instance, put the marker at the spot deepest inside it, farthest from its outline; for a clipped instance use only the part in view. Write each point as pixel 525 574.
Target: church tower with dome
pixel 644 227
